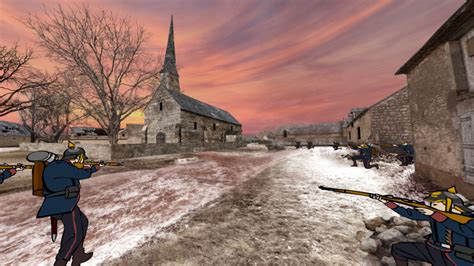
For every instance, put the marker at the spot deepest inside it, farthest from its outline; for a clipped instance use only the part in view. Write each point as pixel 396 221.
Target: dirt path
pixel 280 217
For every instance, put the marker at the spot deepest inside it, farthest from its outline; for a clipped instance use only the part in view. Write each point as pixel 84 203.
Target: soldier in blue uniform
pixel 406 157
pixel 451 242
pixel 365 154
pixel 61 191
pixel 7 174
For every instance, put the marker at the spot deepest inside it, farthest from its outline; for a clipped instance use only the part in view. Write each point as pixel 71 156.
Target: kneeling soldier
pixel 61 191
pixel 451 242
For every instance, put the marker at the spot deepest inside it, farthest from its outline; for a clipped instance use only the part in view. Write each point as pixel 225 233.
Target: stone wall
pixel 12 141
pixel 123 151
pixel 140 150
pixel 364 123
pixel 390 119
pixel 436 124
pixel 93 151
pixel 468 59
pixel 204 131
pixel 162 121
pixel 316 138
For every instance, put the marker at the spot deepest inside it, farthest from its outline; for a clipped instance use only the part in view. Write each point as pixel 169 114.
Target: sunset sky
pixel 273 62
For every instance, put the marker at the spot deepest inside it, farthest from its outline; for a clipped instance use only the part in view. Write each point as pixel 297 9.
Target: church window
pixel 161 106
pixel 195 125
pixel 231 128
pixel 214 126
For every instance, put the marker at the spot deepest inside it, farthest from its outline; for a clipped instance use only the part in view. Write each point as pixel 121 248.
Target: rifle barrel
pixel 15 166
pixel 412 203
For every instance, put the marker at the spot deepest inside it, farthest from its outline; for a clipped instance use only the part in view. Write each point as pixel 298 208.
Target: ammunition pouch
pixel 69 192
pixel 464 253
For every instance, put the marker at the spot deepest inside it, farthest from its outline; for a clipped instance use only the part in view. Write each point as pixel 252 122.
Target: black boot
pixel 60 263
pixel 80 256
pixel 376 166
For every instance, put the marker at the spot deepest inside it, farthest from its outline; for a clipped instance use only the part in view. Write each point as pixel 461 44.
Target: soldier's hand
pixel 20 167
pixel 378 197
pixel 102 163
pixel 425 211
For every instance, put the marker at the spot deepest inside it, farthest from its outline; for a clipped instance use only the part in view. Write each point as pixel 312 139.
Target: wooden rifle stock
pixel 408 202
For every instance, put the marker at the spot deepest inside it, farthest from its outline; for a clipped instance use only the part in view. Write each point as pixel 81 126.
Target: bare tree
pixel 16 77
pixel 108 55
pixel 52 110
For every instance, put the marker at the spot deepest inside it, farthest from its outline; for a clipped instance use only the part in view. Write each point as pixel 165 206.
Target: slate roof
pixel 194 106
pixel 12 129
pixel 458 24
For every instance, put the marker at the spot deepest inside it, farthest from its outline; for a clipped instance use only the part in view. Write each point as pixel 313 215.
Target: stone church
pixel 172 117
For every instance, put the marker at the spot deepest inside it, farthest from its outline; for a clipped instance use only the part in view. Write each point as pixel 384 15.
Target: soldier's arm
pixel 407 212
pixel 69 171
pixel 7 174
pixel 466 230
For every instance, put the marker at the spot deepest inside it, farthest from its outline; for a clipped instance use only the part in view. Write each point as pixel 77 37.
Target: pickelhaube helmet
pixel 72 152
pixel 450 198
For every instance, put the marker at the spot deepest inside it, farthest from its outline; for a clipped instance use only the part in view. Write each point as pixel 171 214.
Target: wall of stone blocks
pixel 390 119
pixel 12 141
pixel 364 122
pixel 205 129
pixel 316 138
pixel 93 151
pixel 163 121
pixel 435 120
pixel 141 150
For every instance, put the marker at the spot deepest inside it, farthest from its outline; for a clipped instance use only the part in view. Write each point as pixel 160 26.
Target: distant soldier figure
pixel 451 242
pixel 298 144
pixel 365 154
pixel 61 194
pixel 310 145
pixel 336 145
pixel 406 157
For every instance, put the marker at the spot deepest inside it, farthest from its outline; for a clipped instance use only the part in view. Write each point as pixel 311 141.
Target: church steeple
pixel 170 57
pixel 169 74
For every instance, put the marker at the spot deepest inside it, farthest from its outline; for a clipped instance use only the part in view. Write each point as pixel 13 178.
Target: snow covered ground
pixel 8 149
pixel 127 209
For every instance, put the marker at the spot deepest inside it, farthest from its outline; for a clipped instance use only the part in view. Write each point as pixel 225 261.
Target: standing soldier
pixel 61 195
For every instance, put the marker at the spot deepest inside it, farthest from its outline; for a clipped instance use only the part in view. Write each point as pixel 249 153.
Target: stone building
pixel 440 78
pixel 386 122
pixel 318 134
pixel 172 117
pixel 12 134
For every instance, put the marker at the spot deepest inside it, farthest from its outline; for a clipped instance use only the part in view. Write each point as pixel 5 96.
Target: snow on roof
pixel 12 129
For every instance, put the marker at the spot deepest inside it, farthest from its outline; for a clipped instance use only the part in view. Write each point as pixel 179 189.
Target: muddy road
pixel 215 208
pixel 281 217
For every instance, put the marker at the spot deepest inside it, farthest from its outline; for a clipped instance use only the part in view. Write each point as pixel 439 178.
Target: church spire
pixel 170 57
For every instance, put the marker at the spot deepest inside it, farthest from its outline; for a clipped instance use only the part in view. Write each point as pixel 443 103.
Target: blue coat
pixel 56 177
pixel 461 234
pixel 4 175
pixel 408 149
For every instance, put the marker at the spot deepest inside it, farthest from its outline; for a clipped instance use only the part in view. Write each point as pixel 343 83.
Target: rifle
pixel 408 202
pixel 15 166
pixel 103 163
